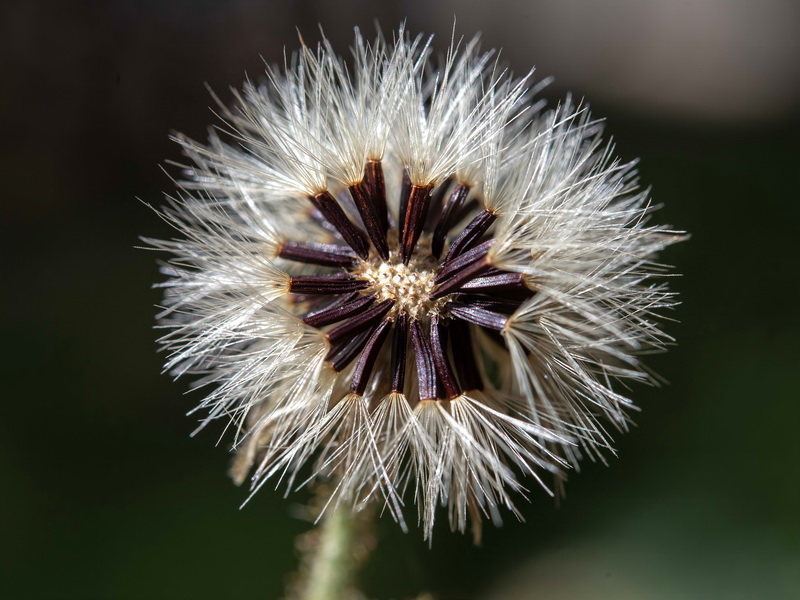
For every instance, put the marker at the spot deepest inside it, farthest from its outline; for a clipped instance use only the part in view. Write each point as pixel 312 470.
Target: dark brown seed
pixel 405 192
pixel 470 207
pixel 455 265
pixel 360 322
pixel 478 316
pixel 450 208
pixel 317 217
pixel 328 283
pixel 369 354
pixel 492 271
pixel 417 210
pixel 326 255
pixel 331 210
pixel 504 281
pixel 455 282
pixel 471 235
pixel 373 173
pixel 443 370
pixel 440 393
pixel 464 356
pixel 322 304
pixel 339 311
pixel 426 370
pixel 342 354
pixel 369 217
pixel 437 204
pixel 399 350
pixel 504 306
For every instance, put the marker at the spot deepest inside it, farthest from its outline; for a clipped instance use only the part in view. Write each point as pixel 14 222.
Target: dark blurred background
pixel 104 495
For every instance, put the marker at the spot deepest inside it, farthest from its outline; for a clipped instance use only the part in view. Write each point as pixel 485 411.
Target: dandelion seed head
pixel 410 275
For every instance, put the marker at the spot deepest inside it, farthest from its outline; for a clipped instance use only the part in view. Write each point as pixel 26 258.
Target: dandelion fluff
pixel 405 275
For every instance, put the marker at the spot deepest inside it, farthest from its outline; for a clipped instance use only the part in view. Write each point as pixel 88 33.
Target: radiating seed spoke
pixel 329 283
pixel 437 204
pixel 405 192
pixel 369 217
pixel 495 304
pixel 373 174
pixel 471 235
pixel 339 311
pixel 426 370
pixel 416 211
pixel 460 277
pixel 369 354
pixel 451 207
pixel 360 321
pixel 342 354
pixel 443 370
pixel 331 210
pixel 478 316
pixel 326 255
pixel 471 206
pixel 504 281
pixel 455 265
pixel 399 351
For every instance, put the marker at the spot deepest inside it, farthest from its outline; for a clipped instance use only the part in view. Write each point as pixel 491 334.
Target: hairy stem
pixel 332 555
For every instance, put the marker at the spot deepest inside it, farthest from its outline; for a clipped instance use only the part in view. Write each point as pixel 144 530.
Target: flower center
pixel 399 282
pixel 409 286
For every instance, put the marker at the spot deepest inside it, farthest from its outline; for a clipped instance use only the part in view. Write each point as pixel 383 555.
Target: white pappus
pixel 404 275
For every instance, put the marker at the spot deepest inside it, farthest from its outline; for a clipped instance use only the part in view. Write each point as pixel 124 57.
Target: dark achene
pixel 390 288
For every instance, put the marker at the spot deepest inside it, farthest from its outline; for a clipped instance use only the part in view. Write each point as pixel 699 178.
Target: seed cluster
pixel 392 281
pixel 408 286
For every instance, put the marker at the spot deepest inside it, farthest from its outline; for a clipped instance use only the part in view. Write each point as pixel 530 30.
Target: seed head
pixel 406 272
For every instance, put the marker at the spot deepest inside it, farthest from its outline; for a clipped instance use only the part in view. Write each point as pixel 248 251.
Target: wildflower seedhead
pixel 408 272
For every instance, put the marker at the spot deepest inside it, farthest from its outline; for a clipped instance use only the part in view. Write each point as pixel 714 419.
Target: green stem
pixel 332 553
pixel 332 568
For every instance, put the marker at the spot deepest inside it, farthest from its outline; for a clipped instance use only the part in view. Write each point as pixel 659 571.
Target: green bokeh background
pixel 104 495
